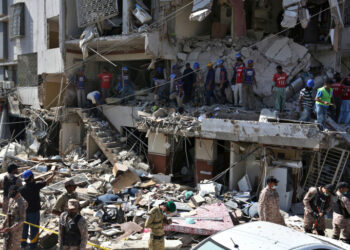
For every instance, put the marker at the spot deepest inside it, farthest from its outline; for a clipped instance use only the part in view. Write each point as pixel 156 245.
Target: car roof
pixel 265 236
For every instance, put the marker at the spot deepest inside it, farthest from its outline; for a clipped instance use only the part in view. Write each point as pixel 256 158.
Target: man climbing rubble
pixel 62 201
pixel 279 88
pixel 341 213
pixel 73 228
pixel 155 221
pixel 317 202
pixel 7 181
pixel 198 85
pixel 268 206
pixel 31 193
pixel 15 217
pixel 306 101
pixel 324 98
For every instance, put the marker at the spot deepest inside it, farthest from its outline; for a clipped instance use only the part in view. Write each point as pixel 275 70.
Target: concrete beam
pixel 270 133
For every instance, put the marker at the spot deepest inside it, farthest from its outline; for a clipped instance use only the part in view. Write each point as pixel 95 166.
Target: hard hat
pixel 27 174
pixel 125 68
pixel 196 65
pixel 310 83
pixel 210 64
pixel 159 69
pixel 154 78
pixel 171 206
pixel 250 61
pixel 172 76
pixel 238 55
pixel 218 62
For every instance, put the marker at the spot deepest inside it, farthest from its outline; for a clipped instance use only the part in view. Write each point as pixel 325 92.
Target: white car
pixel 267 236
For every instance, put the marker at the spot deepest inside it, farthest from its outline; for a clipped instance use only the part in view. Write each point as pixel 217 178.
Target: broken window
pixel 17 20
pixel 52 33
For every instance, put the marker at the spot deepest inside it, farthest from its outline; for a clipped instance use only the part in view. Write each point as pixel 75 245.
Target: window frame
pixel 20 17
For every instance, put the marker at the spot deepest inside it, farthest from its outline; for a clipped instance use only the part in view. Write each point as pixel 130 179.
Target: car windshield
pixel 211 245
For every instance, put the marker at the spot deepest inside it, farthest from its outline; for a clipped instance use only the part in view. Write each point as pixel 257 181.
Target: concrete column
pixel 70 134
pixel 158 153
pixel 91 146
pixel 205 158
pixel 127 7
pixel 234 157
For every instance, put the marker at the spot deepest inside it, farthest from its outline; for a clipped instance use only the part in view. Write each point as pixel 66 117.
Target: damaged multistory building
pixel 46 42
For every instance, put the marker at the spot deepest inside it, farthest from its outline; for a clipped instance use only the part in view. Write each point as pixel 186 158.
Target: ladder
pixel 327 167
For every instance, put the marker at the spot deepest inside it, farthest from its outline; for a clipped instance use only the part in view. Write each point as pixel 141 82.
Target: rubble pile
pixel 267 54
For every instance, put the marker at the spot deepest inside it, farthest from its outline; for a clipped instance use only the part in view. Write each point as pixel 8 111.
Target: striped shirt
pixel 308 100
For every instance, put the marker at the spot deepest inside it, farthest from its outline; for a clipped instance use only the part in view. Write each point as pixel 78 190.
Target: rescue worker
pixel 198 85
pixel 73 228
pixel 279 88
pixel 337 87
pixel 344 115
pixel 223 80
pixel 237 81
pixel 155 221
pixel 317 202
pixel 341 213
pixel 177 92
pixel 106 82
pixel 7 181
pixel 31 193
pixel 306 101
pixel 324 98
pixel 268 206
pixel 189 78
pixel 209 84
pixel 15 217
pixel 160 88
pixel 62 201
pixel 80 82
pixel 127 91
pixel 248 82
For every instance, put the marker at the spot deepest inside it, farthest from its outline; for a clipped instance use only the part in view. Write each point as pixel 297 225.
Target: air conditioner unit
pixel 7 84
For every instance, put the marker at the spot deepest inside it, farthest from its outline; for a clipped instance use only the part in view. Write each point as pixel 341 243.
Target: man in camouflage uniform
pixel 8 180
pixel 341 213
pixel 155 221
pixel 198 85
pixel 73 228
pixel 15 217
pixel 62 201
pixel 268 206
pixel 317 202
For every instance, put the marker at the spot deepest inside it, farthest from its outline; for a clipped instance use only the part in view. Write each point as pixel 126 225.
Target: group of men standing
pixel 21 204
pixel 318 202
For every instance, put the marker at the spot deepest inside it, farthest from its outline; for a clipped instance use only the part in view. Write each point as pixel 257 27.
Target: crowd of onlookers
pixel 205 87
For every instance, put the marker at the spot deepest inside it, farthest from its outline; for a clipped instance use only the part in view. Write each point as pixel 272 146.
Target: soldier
pixel 73 228
pixel 198 85
pixel 268 207
pixel 317 203
pixel 341 214
pixel 157 218
pixel 62 201
pixel 8 180
pixel 15 218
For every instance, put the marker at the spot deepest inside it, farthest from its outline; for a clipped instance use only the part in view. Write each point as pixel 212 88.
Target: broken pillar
pixel 127 15
pixel 158 152
pixel 91 146
pixel 237 171
pixel 205 158
pixel 70 135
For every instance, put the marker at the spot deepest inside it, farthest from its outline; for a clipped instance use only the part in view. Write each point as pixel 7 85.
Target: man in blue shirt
pixel 189 78
pixel 80 81
pixel 248 82
pixel 209 84
pixel 223 79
